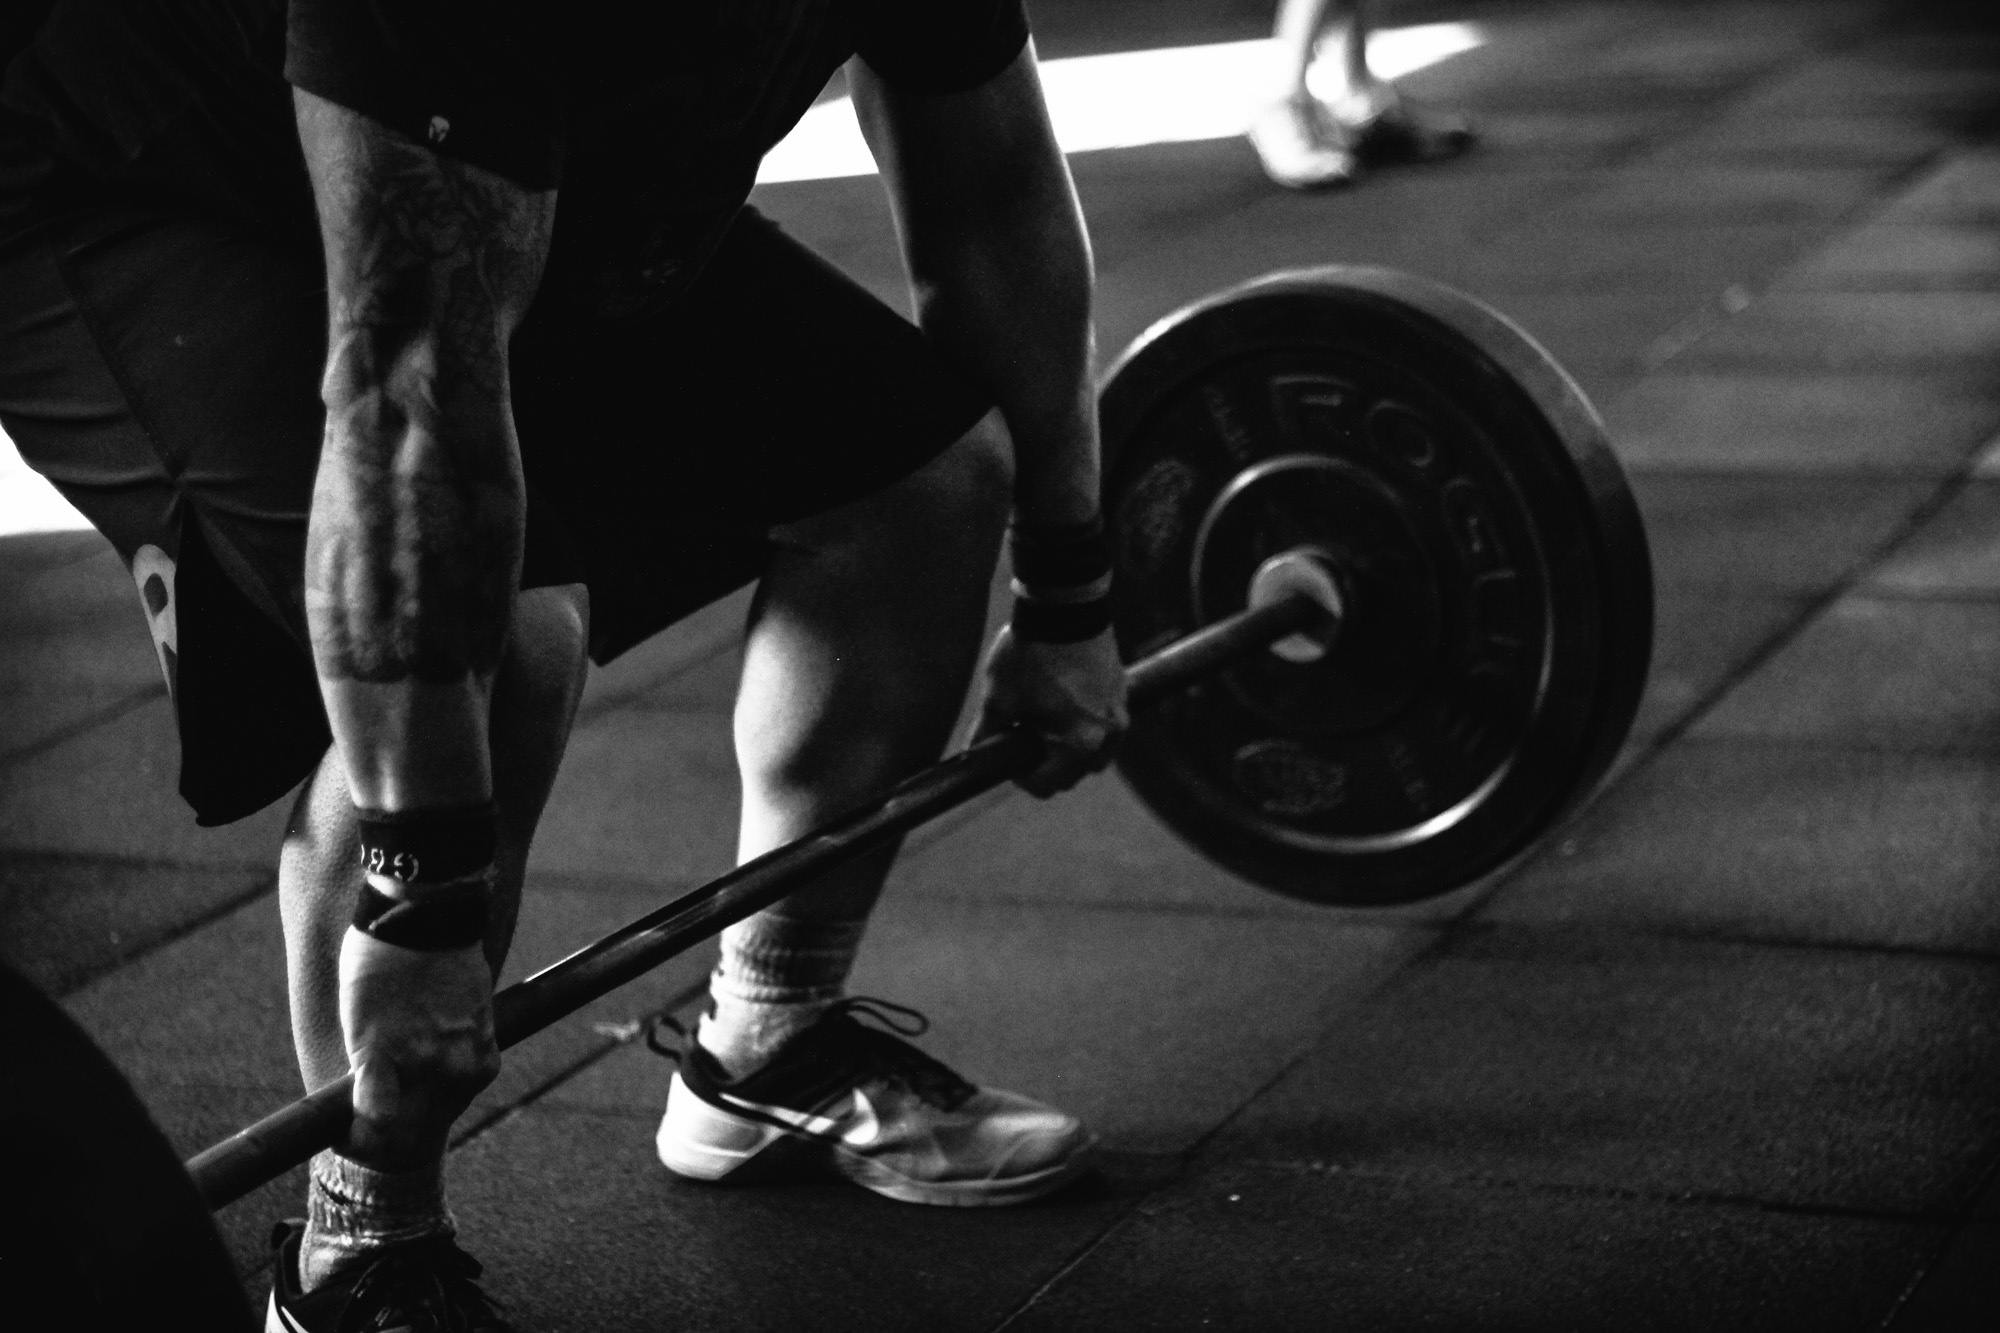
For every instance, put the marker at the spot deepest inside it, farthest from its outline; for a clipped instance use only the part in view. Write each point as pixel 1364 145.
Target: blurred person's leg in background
pixel 1309 140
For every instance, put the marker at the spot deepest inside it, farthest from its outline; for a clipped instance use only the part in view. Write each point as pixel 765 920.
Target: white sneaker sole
pixel 700 1141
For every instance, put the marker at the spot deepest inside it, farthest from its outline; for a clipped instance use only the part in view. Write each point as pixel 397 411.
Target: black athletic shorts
pixel 164 372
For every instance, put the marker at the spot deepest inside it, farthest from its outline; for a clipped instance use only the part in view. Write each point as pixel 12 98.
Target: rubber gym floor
pixel 1720 1054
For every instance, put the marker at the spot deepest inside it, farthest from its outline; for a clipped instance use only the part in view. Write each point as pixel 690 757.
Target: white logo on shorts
pixel 153 571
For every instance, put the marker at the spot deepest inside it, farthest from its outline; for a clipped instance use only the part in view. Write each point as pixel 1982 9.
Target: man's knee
pixel 965 492
pixel 947 513
pixel 545 664
pixel 984 458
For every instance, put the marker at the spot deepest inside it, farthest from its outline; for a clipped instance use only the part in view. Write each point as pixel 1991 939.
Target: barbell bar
pixel 262 1151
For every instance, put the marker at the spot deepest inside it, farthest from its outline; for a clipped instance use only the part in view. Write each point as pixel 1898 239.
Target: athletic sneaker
pixel 423 1286
pixel 857 1099
pixel 1403 129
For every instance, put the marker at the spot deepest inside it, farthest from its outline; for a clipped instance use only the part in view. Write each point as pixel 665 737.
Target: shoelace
pixel 885 1053
pixel 879 1052
pixel 432 1276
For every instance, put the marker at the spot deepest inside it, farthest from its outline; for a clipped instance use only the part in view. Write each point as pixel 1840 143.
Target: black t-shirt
pixel 650 115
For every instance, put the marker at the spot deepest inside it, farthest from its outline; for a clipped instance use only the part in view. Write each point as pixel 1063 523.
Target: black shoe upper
pixel 424 1286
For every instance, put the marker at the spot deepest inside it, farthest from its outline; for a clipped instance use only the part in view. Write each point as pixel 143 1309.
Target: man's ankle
pixel 353 1210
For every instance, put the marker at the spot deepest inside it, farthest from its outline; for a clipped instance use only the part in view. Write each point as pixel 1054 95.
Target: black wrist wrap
pixel 450 916
pixel 428 846
pixel 445 860
pixel 1062 581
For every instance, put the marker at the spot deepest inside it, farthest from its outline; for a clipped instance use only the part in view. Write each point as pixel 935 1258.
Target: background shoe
pixel 1302 147
pixel 1388 127
pixel 425 1286
pixel 858 1099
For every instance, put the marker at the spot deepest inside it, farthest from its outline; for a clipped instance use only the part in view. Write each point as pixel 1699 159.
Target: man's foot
pixel 862 1101
pixel 1301 146
pixel 425 1286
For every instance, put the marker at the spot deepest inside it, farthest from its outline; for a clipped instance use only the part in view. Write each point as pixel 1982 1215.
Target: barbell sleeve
pixel 262 1151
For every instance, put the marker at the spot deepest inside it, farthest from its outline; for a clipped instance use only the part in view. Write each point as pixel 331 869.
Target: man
pixel 423 345
pixel 1306 142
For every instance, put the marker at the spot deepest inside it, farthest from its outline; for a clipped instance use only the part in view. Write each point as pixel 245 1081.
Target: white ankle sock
pixel 352 1209
pixel 776 977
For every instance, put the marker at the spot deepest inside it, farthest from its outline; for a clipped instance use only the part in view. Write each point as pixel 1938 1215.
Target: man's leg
pixel 354 1207
pixel 862 641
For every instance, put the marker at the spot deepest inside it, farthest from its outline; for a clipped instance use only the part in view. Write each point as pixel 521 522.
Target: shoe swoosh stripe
pixel 805 1122
pixel 866 1125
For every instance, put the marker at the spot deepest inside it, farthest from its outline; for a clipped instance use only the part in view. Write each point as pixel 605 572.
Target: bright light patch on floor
pixel 28 503
pixel 1178 95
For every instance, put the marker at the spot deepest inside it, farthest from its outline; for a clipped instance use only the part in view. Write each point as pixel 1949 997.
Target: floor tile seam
pixel 1561 1189
pixel 1917 1278
pixel 178 932
pixel 1806 610
pixel 1818 237
pixel 1763 473
pixel 1965 596
pixel 1809 609
pixel 1862 745
pixel 1730 98
pixel 602 884
pixel 261 864
pixel 1200 1154
pixel 1190 1159
pixel 107 713
pixel 1739 362
pixel 1898 284
pixel 1608 164
pixel 600 1050
pixel 1833 746
pixel 1507 932
pixel 1723 590
pixel 85 858
pixel 1283 910
pixel 1967 1218
pixel 1082 1252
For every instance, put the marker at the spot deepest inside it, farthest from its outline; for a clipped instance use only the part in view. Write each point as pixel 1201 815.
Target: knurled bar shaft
pixel 262 1151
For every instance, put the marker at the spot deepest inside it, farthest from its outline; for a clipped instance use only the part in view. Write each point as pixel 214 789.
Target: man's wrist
pixel 1062 580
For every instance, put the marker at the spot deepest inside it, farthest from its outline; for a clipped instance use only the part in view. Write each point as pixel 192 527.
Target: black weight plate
pixel 1497 577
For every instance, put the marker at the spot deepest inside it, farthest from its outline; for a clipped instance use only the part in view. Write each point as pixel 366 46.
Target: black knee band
pixel 450 916
pixel 428 846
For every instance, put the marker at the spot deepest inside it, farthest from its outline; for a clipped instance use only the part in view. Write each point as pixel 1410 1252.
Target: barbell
pixel 1387 600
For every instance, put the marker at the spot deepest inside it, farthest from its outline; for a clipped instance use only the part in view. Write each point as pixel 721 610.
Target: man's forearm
pixel 999 264
pixel 1011 300
pixel 414 541
pixel 415 533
